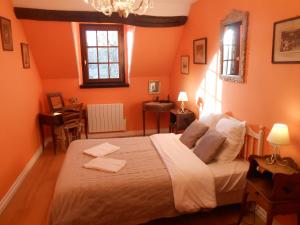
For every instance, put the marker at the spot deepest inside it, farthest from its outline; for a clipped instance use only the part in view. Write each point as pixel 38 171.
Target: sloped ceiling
pixel 52 45
pixel 160 7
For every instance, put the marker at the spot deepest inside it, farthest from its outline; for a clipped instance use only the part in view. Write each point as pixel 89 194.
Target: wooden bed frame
pixel 254 142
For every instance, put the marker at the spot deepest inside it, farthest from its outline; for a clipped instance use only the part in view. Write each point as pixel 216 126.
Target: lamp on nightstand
pixel 279 135
pixel 183 98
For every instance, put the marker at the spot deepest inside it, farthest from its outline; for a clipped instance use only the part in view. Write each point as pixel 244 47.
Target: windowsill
pixel 104 85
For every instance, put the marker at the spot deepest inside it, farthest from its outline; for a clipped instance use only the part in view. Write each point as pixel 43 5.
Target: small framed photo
pixel 154 86
pixel 6 34
pixel 184 64
pixel 200 51
pixel 286 41
pixel 25 55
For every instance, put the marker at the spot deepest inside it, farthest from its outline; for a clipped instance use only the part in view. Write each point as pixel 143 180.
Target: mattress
pixel 229 176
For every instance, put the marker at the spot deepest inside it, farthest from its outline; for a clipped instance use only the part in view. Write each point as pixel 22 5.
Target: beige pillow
pixel 234 131
pixel 209 146
pixel 211 119
pixel 192 133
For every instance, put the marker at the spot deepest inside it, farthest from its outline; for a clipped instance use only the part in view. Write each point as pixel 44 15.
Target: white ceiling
pixel 160 7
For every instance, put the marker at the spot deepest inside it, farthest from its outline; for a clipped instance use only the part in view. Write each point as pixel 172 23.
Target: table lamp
pixel 183 98
pixel 279 135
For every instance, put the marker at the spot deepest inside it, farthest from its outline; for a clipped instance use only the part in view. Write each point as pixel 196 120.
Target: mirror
pixel 233 46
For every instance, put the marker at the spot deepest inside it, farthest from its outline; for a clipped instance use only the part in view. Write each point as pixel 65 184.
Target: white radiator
pixel 105 118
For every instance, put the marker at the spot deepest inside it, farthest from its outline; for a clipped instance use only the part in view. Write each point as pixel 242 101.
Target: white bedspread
pixel 192 180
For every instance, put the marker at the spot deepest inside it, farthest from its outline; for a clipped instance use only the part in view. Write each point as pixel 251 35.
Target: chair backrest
pixel 73 114
pixel 55 101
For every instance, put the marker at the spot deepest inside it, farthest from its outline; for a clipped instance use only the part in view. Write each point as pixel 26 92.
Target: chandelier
pixel 123 7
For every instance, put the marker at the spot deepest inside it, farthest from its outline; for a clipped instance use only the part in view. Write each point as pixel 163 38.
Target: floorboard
pixel 30 205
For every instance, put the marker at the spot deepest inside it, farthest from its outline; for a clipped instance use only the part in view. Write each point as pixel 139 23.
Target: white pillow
pixel 234 131
pixel 211 119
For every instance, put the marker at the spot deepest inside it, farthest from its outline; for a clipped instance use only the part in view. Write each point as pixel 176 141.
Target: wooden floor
pixel 31 203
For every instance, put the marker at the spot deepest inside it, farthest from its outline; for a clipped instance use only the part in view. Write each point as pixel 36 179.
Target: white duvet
pixel 192 180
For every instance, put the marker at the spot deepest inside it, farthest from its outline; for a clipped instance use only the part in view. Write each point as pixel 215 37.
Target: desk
pixel 54 120
pixel 157 107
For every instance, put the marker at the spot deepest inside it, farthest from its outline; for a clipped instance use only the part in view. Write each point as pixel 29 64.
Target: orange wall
pixel 271 92
pixel 152 59
pixel 20 95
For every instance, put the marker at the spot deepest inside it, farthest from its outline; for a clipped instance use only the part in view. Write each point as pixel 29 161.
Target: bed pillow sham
pixel 192 133
pixel 209 146
pixel 234 131
pixel 211 119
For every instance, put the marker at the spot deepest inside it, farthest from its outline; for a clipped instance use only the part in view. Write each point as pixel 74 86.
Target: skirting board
pixel 126 133
pixel 261 213
pixel 15 186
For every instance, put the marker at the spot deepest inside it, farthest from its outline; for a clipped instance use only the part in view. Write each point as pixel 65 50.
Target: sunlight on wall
pixel 76 39
pixel 130 45
pixel 210 89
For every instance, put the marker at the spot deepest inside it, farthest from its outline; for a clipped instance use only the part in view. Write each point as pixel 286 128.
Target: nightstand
pixel 276 187
pixel 180 120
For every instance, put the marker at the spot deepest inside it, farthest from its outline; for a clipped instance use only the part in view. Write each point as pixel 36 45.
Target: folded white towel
pixel 101 150
pixel 105 164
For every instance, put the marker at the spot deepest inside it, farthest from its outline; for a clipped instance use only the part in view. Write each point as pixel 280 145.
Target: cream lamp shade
pixel 183 96
pixel 279 134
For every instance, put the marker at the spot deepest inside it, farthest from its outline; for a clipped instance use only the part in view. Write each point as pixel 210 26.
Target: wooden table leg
pixel 86 128
pixel 243 207
pixel 269 218
pixel 144 118
pixel 53 138
pixel 42 136
pixel 158 122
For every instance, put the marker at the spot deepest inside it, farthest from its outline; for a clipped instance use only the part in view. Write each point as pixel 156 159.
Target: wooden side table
pixel 158 108
pixel 180 120
pixel 276 187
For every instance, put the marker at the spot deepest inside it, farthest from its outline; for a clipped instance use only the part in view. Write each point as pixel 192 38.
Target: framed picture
pixel 184 64
pixel 200 51
pixel 6 34
pixel 25 55
pixel 286 41
pixel 154 86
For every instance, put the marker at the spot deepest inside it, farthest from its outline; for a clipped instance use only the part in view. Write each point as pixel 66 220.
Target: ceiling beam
pixel 86 16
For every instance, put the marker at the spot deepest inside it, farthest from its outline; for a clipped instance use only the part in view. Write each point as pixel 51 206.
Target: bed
pixel 144 189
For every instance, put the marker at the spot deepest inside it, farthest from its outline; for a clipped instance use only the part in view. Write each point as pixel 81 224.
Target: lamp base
pixel 182 107
pixel 273 159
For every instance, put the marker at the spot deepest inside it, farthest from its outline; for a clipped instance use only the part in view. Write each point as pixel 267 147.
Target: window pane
pixel 102 38
pixel 93 71
pixel 92 55
pixel 103 55
pixel 114 70
pixel 113 38
pixel 91 38
pixel 113 55
pixel 103 69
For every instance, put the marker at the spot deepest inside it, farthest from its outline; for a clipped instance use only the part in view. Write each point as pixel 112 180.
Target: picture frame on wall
pixel 184 64
pixel 154 86
pixel 25 55
pixel 6 34
pixel 286 41
pixel 200 51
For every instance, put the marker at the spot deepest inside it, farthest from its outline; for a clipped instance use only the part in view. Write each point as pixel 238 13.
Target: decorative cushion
pixel 209 146
pixel 234 131
pixel 192 133
pixel 211 119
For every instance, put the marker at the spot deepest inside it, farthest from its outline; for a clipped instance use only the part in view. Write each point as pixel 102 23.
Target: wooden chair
pixel 72 123
pixel 56 104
